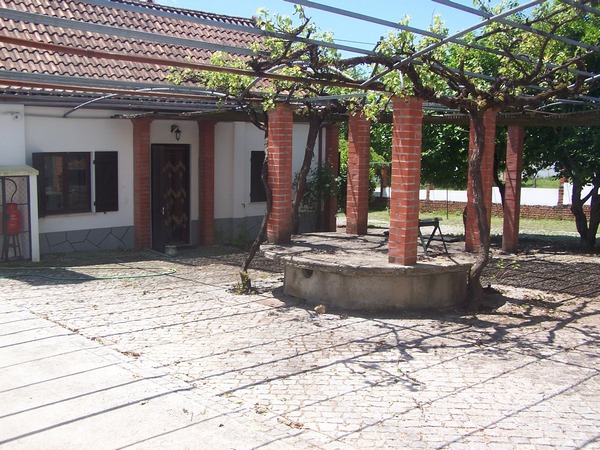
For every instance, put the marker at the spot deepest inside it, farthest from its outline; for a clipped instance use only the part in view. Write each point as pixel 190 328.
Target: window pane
pixel 79 182
pixel 64 182
pixel 55 182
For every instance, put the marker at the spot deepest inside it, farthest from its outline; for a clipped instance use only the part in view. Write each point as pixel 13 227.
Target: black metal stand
pixel 435 224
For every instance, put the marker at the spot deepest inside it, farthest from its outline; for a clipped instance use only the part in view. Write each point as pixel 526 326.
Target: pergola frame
pixel 407 121
pixel 96 85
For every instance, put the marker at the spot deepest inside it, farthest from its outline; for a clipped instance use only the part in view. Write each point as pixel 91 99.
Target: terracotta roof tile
pixel 23 59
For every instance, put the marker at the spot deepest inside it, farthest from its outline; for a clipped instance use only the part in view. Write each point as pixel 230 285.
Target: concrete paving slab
pixel 278 374
pixel 59 390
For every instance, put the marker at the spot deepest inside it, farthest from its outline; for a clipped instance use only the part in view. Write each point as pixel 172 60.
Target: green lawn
pixel 547 183
pixel 453 224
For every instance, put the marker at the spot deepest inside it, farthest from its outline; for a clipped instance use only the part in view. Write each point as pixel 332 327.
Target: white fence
pixel 529 196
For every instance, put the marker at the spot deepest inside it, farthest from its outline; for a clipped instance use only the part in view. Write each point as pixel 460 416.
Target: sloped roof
pixel 20 60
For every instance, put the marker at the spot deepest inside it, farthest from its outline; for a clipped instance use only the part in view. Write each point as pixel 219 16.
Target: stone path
pixel 523 376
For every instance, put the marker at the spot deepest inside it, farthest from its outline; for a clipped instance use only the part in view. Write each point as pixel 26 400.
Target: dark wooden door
pixel 170 195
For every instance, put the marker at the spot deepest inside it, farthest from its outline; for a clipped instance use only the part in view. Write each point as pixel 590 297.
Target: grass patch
pixel 452 223
pixel 544 183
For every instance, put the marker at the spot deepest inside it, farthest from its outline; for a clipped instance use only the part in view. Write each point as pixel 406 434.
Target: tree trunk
pixel 594 219
pixel 578 213
pixel 475 290
pixel 246 282
pixel 313 132
pixel 594 215
pixel 587 233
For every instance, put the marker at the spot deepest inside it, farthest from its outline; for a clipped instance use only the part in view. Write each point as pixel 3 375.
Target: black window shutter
pixel 107 181
pixel 257 188
pixel 39 164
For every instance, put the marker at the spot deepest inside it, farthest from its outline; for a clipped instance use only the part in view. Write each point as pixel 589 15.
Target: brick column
pixel 406 179
pixel 142 197
pixel 332 158
pixel 206 174
pixel 561 191
pixel 357 198
pixel 487 177
pixel 281 122
pixel 512 194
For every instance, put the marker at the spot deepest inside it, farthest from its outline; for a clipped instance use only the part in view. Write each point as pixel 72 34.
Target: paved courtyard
pixel 522 375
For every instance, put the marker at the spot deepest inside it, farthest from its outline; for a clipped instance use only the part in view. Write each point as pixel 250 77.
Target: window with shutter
pixel 64 182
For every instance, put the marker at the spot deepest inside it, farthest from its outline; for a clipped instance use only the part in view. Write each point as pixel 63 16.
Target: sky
pixel 347 31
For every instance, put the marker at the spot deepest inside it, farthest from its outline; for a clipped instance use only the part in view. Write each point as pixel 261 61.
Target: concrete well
pixel 352 273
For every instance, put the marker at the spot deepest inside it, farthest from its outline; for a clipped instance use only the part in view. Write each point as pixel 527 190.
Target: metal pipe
pixel 500 18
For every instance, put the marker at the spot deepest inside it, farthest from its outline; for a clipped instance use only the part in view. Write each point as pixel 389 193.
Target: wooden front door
pixel 170 195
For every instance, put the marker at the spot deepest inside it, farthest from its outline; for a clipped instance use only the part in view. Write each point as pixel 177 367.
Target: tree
pixel 444 156
pixel 573 152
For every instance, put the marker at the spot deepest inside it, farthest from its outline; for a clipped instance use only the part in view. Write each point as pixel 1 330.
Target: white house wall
pixel 57 134
pixel 12 144
pixel 236 216
pixel 46 130
pixel 28 130
pixel 224 179
pixel 13 155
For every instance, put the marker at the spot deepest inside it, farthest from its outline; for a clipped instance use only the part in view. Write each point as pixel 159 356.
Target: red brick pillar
pixel 561 191
pixel 206 174
pixel 357 198
pixel 332 158
pixel 406 180
pixel 281 122
pixel 142 197
pixel 512 194
pixel 487 177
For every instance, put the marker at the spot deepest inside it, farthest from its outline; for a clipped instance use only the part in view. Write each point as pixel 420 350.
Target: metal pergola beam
pixel 196 66
pixel 581 6
pixel 164 62
pixel 120 103
pixel 390 24
pixel 398 26
pixel 363 17
pixel 491 17
pixel 242 28
pixel 444 41
pixel 168 62
pixel 124 88
pixel 82 83
pixel 109 96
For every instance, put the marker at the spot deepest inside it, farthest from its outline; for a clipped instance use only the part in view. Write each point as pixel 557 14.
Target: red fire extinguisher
pixel 13 219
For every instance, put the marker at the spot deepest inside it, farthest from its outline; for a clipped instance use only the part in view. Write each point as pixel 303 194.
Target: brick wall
pixel 562 212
